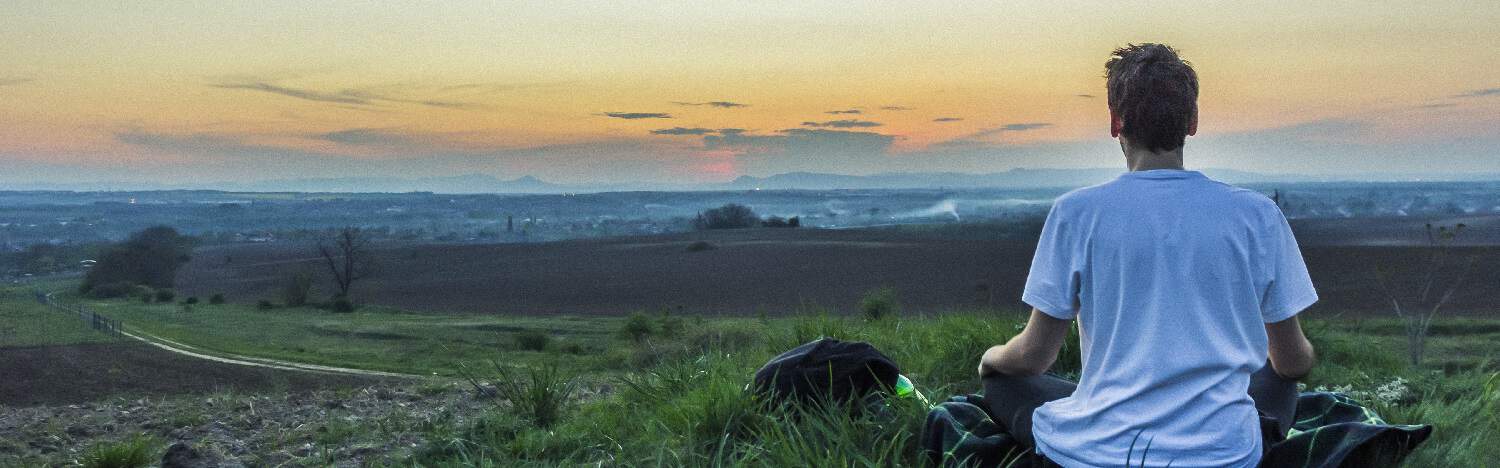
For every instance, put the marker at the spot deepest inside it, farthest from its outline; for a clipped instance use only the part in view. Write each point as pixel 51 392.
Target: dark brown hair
pixel 1155 94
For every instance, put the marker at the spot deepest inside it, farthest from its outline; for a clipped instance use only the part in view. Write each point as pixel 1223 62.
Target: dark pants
pixel 1011 400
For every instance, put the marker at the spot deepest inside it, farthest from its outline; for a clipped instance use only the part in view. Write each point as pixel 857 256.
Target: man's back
pixel 1170 275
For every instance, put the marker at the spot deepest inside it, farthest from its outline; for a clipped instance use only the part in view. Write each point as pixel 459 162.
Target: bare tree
pixel 347 257
pixel 1418 310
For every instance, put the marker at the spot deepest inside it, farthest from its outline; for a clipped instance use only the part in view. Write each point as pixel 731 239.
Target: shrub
pixel 190 300
pixel 134 452
pixel 341 305
pixel 111 290
pixel 637 327
pixel 264 305
pixel 542 395
pixel 879 304
pixel 297 289
pixel 729 216
pixel 532 340
pixel 216 299
pixel 165 295
pixel 779 222
pixel 701 246
pixel 667 325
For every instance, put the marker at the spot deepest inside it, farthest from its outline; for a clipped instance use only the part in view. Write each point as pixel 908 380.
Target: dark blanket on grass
pixel 1332 430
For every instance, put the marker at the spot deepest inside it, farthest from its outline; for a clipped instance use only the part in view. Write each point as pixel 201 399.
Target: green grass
pixel 26 322
pixel 679 400
pixel 371 338
pixel 136 452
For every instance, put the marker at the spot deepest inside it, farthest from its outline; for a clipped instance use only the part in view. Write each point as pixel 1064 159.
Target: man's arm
pixel 1030 353
pixel 1292 355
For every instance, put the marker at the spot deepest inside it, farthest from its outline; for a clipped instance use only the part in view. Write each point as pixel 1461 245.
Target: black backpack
pixel 826 368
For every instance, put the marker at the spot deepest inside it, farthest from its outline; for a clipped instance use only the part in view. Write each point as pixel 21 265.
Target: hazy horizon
pixel 702 93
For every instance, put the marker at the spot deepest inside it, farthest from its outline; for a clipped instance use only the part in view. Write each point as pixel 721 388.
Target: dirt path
pixel 190 351
pixel 228 358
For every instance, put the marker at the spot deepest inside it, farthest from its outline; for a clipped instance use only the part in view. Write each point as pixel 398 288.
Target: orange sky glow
pixel 623 91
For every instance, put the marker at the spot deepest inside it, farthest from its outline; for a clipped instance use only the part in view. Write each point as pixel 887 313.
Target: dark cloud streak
pixel 346 96
pixel 684 131
pixel 849 123
pixel 638 115
pixel 1479 93
pixel 719 104
pixel 977 139
pixel 342 97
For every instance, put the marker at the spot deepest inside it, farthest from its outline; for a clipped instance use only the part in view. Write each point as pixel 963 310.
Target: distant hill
pixel 1020 178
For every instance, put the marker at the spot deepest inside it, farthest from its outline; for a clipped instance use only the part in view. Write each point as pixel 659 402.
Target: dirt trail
pixel 228 358
pixel 190 351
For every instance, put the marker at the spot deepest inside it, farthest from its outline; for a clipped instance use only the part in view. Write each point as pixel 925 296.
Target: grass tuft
pixel 135 452
pixel 540 394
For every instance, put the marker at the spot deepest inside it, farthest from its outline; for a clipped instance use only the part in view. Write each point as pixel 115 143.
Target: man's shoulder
pixel 1247 198
pixel 1083 195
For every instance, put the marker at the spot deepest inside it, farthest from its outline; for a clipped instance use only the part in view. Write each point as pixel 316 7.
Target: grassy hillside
pixel 676 395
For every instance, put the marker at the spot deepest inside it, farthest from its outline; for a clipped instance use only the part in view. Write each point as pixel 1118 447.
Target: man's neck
pixel 1145 160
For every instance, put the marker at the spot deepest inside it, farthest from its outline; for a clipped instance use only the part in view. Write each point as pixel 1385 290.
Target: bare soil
pixel 88 372
pixel 773 271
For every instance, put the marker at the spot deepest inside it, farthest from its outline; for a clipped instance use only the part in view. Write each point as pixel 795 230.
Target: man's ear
pixel 1193 125
pixel 1116 123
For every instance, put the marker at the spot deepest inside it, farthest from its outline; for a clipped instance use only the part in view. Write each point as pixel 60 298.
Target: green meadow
pixel 670 390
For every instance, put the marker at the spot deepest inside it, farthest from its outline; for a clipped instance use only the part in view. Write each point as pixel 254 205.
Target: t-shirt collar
pixel 1162 174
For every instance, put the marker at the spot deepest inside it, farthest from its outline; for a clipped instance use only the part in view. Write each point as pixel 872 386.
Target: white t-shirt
pixel 1171 276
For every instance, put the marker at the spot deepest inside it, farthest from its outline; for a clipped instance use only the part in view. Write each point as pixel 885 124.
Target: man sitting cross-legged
pixel 1185 291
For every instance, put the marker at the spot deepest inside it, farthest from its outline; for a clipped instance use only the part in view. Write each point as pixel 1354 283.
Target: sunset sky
pixel 707 91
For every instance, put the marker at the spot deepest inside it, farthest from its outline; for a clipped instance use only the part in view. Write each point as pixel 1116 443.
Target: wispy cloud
pixel 845 111
pixel 848 123
pixel 1085 96
pixel 358 97
pixel 895 108
pixel 1436 105
pixel 684 131
pixel 637 115
pixel 1479 93
pixel 719 104
pixel 1015 127
pixel 341 97
pixel 977 139
pixel 14 81
pixel 947 119
pixel 367 137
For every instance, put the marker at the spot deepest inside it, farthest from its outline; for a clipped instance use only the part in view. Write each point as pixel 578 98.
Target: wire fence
pixel 90 318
